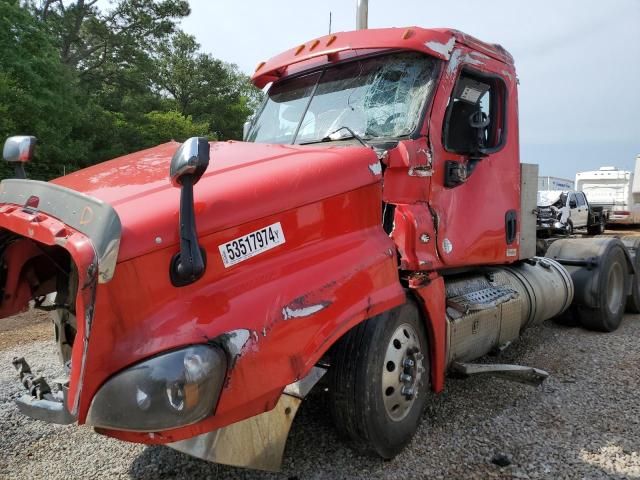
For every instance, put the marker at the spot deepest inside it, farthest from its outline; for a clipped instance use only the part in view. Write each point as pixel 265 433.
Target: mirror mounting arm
pixel 19 171
pixel 188 265
pixel 187 166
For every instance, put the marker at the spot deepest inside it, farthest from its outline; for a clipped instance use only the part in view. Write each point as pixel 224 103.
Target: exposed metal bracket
pixel 302 387
pixel 41 403
pixel 515 373
pixel 257 442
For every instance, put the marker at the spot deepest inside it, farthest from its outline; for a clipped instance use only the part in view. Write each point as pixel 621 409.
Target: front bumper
pixel 41 402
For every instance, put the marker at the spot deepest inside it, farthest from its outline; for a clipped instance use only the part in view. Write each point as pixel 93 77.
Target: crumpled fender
pixel 34 226
pixel 277 313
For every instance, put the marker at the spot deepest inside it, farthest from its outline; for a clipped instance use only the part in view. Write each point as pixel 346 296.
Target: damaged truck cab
pixel 375 228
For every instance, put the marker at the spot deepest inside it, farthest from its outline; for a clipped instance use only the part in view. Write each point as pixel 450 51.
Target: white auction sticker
pixel 251 244
pixel 470 95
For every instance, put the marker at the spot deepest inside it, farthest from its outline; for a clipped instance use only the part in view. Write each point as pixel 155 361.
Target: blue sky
pixel 578 61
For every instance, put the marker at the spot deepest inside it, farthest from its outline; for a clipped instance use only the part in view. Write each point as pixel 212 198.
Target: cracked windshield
pixel 379 97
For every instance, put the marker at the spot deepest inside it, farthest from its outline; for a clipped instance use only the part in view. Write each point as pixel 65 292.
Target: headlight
pixel 168 391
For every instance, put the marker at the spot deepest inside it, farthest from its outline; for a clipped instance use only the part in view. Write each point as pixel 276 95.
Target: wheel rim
pixel 401 372
pixel 615 287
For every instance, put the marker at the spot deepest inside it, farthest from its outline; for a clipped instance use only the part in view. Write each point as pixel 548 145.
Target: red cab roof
pixel 438 42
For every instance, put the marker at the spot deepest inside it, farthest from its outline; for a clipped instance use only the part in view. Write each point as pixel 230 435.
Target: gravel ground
pixel 583 422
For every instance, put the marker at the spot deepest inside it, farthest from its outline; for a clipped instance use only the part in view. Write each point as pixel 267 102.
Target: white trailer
pixel 616 191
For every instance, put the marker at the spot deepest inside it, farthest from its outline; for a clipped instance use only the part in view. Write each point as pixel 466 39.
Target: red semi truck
pixel 376 228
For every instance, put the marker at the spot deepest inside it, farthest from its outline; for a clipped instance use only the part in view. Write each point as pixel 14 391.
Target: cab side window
pixel 581 201
pixel 572 201
pixel 474 122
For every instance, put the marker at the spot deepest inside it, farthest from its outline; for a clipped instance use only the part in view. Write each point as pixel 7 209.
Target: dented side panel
pixel 286 306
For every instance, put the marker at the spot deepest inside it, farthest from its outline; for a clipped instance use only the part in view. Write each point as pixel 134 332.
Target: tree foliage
pixel 96 83
pixel 202 86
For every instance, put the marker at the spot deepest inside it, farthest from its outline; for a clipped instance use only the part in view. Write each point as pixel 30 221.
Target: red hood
pixel 244 182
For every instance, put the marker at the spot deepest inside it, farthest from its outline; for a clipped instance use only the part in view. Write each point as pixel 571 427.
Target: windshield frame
pixel 414 134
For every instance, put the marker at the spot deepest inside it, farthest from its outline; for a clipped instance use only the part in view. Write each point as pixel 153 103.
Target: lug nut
pixel 404 378
pixel 408 391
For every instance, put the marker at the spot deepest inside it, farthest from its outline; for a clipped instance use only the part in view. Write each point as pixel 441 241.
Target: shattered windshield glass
pixel 377 97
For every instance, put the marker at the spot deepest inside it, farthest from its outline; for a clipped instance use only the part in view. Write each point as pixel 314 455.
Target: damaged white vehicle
pixel 565 211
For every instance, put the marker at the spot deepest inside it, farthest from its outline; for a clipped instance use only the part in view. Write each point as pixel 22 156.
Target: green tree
pixel 162 127
pixel 36 90
pixel 95 82
pixel 99 44
pixel 204 87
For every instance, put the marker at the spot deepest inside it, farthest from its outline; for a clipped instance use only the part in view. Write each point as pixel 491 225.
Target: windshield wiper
pixel 332 137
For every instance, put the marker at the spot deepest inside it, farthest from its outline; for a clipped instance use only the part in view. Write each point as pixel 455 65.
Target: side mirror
pixel 187 166
pixel 190 160
pixel 19 150
pixel 573 204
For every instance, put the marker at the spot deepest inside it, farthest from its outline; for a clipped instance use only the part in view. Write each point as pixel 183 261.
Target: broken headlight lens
pixel 168 391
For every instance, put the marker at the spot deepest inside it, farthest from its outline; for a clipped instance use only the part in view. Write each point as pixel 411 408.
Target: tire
pixel 367 403
pixel 612 287
pixel 632 242
pixel 64 319
pixel 597 229
pixel 569 230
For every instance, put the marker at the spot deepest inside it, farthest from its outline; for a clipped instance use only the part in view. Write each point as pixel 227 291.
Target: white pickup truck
pixel 565 211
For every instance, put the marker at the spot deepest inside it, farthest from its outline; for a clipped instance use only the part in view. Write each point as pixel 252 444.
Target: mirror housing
pixel 191 159
pixel 187 166
pixel 19 150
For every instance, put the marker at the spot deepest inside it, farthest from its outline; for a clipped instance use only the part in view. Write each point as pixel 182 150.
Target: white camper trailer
pixel 616 191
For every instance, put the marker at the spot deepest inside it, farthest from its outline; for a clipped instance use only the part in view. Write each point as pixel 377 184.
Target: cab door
pixel 475 191
pixel 581 212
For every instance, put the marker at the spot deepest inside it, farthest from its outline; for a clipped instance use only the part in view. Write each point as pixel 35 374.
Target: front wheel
pixel 569 228
pixel 379 381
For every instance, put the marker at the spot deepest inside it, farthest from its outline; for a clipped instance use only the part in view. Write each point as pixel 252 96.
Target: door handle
pixel 510 226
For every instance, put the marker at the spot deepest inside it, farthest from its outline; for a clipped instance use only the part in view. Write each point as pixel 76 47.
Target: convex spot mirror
pixel 19 149
pixel 192 158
